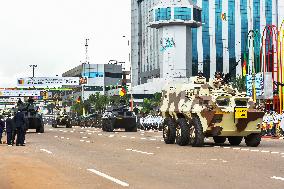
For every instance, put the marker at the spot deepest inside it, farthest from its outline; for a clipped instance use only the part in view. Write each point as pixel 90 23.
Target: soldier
pixel 2 126
pixel 20 126
pixel 10 129
pixel 218 81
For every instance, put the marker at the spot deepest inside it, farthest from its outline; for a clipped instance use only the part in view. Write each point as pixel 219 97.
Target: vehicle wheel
pixel 41 130
pixel 134 129
pixel 182 132
pixel 196 132
pixel 235 140
pixel 169 131
pixel 253 140
pixel 68 125
pixel 219 139
pixel 108 126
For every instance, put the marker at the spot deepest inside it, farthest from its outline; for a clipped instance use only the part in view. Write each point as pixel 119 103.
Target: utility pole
pixel 33 66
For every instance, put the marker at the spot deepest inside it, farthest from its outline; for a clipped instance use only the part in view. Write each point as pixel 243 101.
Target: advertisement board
pixel 19 93
pixel 47 82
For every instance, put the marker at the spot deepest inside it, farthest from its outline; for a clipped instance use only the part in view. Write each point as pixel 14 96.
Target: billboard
pixel 19 93
pixel 47 82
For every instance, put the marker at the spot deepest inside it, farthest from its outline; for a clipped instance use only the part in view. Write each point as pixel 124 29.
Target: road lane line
pixel 236 148
pixel 277 178
pixel 84 137
pixel 217 146
pixel 44 150
pixel 244 149
pixel 55 136
pixel 100 134
pixel 123 136
pixel 132 137
pixel 153 139
pixel 274 152
pixel 264 151
pixel 226 147
pixel 62 137
pixel 254 150
pixel 143 138
pixel 109 177
pixel 88 141
pixel 81 140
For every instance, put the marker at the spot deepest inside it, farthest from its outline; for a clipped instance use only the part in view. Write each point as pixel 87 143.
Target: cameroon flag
pixel 123 91
pixel 245 65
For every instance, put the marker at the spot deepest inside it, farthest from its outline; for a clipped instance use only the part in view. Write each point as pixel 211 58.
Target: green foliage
pixel 239 82
pixel 150 105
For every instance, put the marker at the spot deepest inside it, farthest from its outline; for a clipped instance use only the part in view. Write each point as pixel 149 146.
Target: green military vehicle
pixel 215 109
pixel 62 120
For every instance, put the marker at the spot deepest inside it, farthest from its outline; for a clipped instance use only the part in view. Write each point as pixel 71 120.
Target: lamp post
pixel 33 66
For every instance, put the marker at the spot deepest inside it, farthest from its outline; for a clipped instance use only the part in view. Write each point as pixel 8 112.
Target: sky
pixel 52 33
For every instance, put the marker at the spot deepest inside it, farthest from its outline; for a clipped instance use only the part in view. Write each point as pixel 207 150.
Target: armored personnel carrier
pixel 62 119
pixel 119 117
pixel 215 109
pixel 33 118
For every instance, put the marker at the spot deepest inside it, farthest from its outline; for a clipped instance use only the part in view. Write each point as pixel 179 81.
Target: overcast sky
pixel 51 34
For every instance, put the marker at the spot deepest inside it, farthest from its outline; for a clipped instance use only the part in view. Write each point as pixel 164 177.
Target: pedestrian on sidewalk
pixel 10 129
pixel 2 126
pixel 20 126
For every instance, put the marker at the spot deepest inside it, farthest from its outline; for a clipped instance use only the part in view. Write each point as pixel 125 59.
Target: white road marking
pixel 55 136
pixel 277 178
pixel 158 147
pixel 67 138
pixel 254 150
pixel 84 137
pixel 44 150
pixel 123 136
pixel 213 159
pixel 264 151
pixel 111 136
pixel 244 149
pixel 226 147
pixel 89 133
pixel 162 140
pixel 138 151
pixel 236 148
pixel 39 133
pixel 51 129
pixel 64 131
pixel 81 132
pixel 60 130
pixel 224 161
pixel 282 153
pixel 153 139
pixel 82 140
pixel 109 177
pixel 71 131
pixel 274 152
pixel 143 138
pixel 62 137
pixel 217 146
pixel 142 134
pixel 88 141
pixel 100 134
pixel 132 137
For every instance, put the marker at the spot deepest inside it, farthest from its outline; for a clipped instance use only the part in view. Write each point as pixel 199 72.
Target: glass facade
pixel 256 15
pixel 182 13
pixel 163 14
pixel 206 38
pixel 194 48
pixel 218 35
pixel 231 36
pixel 268 12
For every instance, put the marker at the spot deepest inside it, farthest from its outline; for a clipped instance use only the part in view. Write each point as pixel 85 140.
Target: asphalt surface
pixel 89 158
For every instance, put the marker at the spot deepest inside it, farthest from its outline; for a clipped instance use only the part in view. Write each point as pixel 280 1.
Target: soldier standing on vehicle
pixel 2 126
pixel 20 126
pixel 10 129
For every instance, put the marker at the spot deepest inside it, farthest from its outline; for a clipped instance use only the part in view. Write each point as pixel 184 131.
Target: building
pixel 216 46
pixel 100 78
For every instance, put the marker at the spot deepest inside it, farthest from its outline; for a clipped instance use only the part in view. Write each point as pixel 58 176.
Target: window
pixel 163 14
pixel 182 13
pixel 197 15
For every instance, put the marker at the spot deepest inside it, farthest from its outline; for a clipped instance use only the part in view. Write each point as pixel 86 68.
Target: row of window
pixel 181 13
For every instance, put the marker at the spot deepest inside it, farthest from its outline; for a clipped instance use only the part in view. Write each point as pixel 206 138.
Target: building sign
pixel 167 43
pixel 47 82
pixel 19 93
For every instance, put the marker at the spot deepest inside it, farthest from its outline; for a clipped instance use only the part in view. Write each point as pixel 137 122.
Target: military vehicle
pixel 119 117
pixel 62 119
pixel 33 118
pixel 200 109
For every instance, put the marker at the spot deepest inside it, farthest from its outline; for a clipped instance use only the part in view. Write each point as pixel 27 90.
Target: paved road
pixel 89 158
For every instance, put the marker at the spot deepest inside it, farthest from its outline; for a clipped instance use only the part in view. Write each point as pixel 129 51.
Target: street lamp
pixel 33 66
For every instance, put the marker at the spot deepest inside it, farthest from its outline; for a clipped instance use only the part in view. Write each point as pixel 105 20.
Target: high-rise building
pixel 217 45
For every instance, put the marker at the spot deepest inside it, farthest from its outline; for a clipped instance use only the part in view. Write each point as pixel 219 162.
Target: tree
pixel 239 82
pixel 150 105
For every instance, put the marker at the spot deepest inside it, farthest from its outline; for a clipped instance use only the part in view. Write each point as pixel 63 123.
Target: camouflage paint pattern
pixel 204 99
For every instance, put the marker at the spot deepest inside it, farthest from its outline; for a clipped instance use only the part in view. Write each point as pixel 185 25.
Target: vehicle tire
pixel 169 131
pixel 196 132
pixel 182 132
pixel 219 139
pixel 253 140
pixel 134 129
pixel 68 125
pixel 108 126
pixel 41 129
pixel 235 140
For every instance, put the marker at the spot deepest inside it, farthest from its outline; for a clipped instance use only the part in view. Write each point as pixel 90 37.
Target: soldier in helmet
pixel 218 81
pixel 20 127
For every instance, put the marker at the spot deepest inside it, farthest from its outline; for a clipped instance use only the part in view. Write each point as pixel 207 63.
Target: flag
pixel 79 99
pixel 224 16
pixel 245 65
pixel 20 81
pixel 122 91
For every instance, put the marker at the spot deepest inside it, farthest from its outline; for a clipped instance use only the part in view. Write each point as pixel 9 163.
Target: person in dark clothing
pixel 2 126
pixel 10 129
pixel 20 126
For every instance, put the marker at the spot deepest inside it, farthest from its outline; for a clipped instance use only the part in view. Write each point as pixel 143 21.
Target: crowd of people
pixel 273 124
pixel 14 128
pixel 151 122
